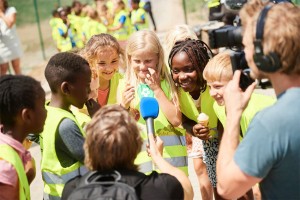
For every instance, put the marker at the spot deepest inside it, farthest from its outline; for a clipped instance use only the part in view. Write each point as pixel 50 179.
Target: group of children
pixel 72 26
pixel 190 82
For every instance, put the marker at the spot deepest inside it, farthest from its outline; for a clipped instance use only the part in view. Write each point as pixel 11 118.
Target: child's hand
pixel 152 79
pixel 30 170
pixel 202 132
pixel 127 96
pixel 92 107
pixel 155 146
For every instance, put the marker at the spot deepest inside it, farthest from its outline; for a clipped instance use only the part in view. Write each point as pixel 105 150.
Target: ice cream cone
pixel 203 119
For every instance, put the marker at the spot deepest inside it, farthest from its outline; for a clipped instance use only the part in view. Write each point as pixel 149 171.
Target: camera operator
pixel 269 153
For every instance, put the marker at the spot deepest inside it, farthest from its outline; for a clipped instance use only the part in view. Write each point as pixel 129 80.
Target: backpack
pixel 104 186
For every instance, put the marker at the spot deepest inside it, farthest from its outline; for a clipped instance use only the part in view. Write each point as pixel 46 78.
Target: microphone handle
pixel 150 125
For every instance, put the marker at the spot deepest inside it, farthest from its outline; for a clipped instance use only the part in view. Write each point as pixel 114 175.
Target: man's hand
pixel 235 99
pixel 155 146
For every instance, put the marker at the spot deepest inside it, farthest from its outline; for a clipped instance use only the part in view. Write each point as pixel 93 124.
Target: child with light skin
pixel 181 33
pixel 121 23
pixel 147 75
pixel 22 102
pixel 187 60
pixel 218 72
pixel 104 55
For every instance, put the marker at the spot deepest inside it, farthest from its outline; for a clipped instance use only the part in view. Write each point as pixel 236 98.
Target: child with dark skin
pixel 69 78
pixel 22 103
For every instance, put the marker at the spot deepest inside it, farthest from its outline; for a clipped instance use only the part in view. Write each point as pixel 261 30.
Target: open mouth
pixel 108 73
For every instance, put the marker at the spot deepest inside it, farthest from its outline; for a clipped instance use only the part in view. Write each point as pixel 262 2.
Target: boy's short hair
pixel 113 140
pixel 63 67
pixel 219 67
pixel 16 93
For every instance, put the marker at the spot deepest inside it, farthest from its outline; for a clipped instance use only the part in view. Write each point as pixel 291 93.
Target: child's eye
pixel 101 63
pixel 175 71
pixel 191 69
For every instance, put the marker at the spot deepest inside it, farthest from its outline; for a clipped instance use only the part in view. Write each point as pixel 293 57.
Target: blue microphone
pixel 149 111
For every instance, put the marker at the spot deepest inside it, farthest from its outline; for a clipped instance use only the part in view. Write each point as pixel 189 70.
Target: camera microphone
pixel 149 110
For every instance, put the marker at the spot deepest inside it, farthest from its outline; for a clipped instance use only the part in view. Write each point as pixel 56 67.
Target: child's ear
pixel 26 114
pixel 65 88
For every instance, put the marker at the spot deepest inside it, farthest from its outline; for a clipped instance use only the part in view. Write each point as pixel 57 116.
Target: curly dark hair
pixel 198 53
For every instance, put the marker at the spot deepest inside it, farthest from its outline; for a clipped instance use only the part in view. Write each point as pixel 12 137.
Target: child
pixel 187 60
pixel 22 103
pixel 104 53
pixel 121 26
pixel 147 75
pixel 69 77
pixel 138 17
pixel 218 72
pixel 92 24
pixel 114 132
pixel 194 144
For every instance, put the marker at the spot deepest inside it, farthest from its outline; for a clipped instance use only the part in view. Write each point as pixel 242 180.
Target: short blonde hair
pixel 281 31
pixel 113 140
pixel 218 68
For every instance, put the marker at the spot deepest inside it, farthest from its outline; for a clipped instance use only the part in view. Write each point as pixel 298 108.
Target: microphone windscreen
pixel 149 107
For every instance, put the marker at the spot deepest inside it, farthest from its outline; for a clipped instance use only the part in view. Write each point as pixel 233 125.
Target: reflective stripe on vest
pixel 50 178
pixel 11 156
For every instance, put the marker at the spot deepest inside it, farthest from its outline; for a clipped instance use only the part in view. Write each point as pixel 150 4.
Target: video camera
pixel 230 36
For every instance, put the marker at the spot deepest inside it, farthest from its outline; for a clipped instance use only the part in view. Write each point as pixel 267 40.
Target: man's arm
pixel 232 182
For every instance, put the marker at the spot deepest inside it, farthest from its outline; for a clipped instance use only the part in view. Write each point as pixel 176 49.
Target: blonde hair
pixel 96 45
pixel 147 40
pixel 178 33
pixel 218 68
pixel 112 141
pixel 281 32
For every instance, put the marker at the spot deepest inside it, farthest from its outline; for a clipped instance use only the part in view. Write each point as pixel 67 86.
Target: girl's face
pixel 141 61
pixel 216 90
pixel 184 73
pixel 107 63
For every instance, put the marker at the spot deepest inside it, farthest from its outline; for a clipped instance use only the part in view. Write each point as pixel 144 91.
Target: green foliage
pixel 26 9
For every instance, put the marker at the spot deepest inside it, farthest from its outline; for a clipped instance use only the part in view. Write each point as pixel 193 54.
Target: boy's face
pixel 107 63
pixel 80 89
pixel 216 90
pixel 184 73
pixel 141 61
pixel 39 113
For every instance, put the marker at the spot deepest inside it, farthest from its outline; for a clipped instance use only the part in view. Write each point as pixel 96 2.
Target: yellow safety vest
pixel 136 16
pixel 63 44
pixel 92 27
pixel 189 109
pixel 123 33
pixel 256 103
pixel 76 27
pixel 174 150
pixel 10 155
pixel 54 175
